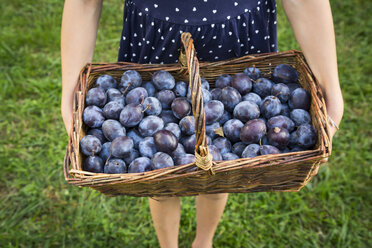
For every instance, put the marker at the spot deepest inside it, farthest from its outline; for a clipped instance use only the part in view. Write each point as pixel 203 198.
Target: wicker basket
pixel 277 172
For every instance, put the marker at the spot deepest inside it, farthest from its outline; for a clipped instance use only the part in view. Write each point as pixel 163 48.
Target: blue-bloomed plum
pixel 98 133
pixel 147 147
pixel 281 122
pixel 106 82
pixel 180 151
pixel 210 129
pixel 166 98
pixel 163 80
pixel 93 164
pixel 136 95
pixel 262 87
pixel 167 116
pixel 284 109
pixel 181 88
pixel 223 81
pixel 207 96
pixel 184 159
pixel 281 91
pixel 152 106
pixel 253 131
pixel 251 151
pixel 90 145
pixel 270 107
pixel 112 110
pixel 93 116
pixel 113 129
pixel 292 140
pixel 150 125
pixel 114 95
pixel 180 107
pixel 253 97
pixel 105 151
pixel 189 143
pixel 230 97
pixel 300 99
pixel 187 125
pixel 225 117
pixel 161 160
pixel 96 97
pixel 131 156
pixel 246 110
pixel 278 137
pixel 215 152
pixel 213 111
pixel 306 136
pixel 150 88
pixel 204 84
pixel 115 166
pixel 174 128
pixel 297 149
pixel 216 94
pixel 242 83
pixel 293 86
pixel 121 146
pixel 131 115
pixel 139 165
pixel 223 144
pixel 300 116
pixel 130 80
pixel 268 149
pixel 238 148
pixel 232 129
pixel 165 141
pixel 285 74
pixel 135 136
pixel 253 72
pixel 229 156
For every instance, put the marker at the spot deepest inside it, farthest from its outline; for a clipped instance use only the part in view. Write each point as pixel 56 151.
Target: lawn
pixel 39 209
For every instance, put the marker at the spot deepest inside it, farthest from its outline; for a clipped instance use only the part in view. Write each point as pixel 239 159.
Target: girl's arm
pixel 78 38
pixel 312 24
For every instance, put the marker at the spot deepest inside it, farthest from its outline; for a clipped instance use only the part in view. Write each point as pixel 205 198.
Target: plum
pixel 98 133
pixel 187 125
pixel 115 166
pixel 150 88
pixel 230 97
pixel 152 106
pixel 281 122
pixel 285 74
pixel 131 115
pixel 216 154
pixel 253 97
pixel 223 81
pixel 136 95
pixel 93 164
pixel 181 107
pixel 174 128
pixel 216 93
pixel 270 107
pixel 300 99
pixel 300 116
pixel 278 137
pixel 166 98
pixel 96 97
pixel 161 160
pixel 246 110
pixel 147 147
pixel 112 110
pixel 253 72
pixel 223 144
pixel 238 148
pixel 242 83
pixel 181 88
pixel 135 136
pixel 106 82
pixel 139 165
pixel 121 146
pixel 130 80
pixel 165 141
pixel 229 156
pixel 232 129
pixel 213 111
pixel 263 87
pixel 268 149
pixel 184 159
pixel 281 91
pixel 163 80
pixel 251 151
pixel 150 125
pixel 253 131
pixel 93 116
pixel 113 129
pixel 90 145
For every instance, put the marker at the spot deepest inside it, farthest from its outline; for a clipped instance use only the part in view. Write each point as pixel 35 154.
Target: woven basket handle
pixel 203 159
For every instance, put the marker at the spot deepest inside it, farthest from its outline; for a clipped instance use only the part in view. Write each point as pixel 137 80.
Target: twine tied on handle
pixel 203 159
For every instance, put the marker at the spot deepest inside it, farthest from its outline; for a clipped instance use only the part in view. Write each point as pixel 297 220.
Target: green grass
pixel 39 209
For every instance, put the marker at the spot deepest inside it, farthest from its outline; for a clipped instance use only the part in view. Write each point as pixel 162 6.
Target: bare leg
pixel 209 209
pixel 166 213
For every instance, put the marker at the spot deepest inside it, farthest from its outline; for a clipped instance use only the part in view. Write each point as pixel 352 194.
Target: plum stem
pixel 147 107
pixel 278 94
pixel 143 99
pixel 126 89
pixel 108 158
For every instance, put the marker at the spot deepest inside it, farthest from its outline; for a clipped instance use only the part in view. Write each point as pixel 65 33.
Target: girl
pixel 221 29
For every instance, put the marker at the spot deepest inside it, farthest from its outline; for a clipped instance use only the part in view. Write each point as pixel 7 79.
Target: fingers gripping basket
pixel 279 172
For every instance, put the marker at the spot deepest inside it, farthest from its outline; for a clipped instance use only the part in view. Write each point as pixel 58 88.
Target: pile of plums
pixel 136 126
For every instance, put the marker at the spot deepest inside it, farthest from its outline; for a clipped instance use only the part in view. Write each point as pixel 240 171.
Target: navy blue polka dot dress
pixel 221 29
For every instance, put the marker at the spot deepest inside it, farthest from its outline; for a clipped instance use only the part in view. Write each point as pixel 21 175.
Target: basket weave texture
pixel 275 172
